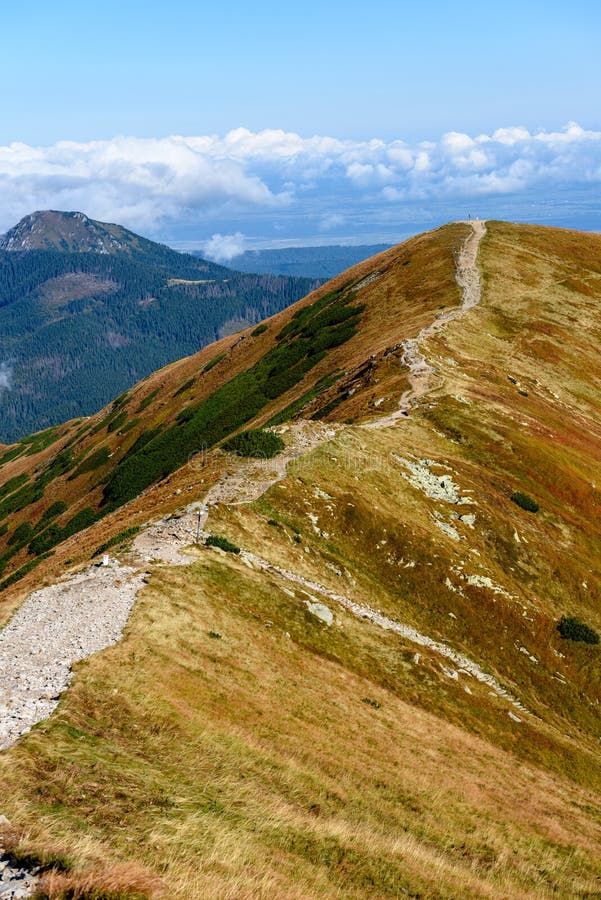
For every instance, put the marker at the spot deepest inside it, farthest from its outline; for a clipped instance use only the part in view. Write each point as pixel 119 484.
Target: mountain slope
pixel 372 698
pixel 87 309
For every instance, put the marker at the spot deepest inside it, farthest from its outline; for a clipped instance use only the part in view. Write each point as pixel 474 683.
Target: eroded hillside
pixel 371 698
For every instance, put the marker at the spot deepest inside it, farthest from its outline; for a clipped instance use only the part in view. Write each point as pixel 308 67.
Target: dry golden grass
pixel 249 764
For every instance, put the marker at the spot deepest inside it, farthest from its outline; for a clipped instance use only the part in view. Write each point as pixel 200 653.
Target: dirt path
pixel 421 373
pixel 244 481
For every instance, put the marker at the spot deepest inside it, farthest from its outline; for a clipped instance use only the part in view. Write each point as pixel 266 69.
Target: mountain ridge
pixel 72 232
pixel 360 680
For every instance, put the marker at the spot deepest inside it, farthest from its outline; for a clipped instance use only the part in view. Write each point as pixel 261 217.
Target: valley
pixel 88 309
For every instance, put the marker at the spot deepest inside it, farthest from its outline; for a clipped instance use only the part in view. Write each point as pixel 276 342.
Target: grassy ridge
pixel 236 745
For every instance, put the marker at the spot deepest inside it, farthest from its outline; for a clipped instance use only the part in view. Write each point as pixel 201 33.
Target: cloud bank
pixel 6 375
pixel 146 183
pixel 224 247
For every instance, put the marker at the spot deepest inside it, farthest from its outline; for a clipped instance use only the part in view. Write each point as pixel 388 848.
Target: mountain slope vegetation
pixel 372 698
pixel 88 309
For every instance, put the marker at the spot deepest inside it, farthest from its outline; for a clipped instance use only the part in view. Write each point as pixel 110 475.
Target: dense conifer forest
pixel 78 328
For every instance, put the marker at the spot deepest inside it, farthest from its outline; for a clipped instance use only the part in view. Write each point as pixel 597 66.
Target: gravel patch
pixel 55 627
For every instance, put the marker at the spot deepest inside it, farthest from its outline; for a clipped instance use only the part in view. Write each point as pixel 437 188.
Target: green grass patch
pixel 216 540
pixel 147 401
pixel 255 442
pixel 117 539
pixel 12 484
pixel 213 362
pixel 92 462
pixel 524 501
pixel 573 629
pixel 260 329
pixel 23 571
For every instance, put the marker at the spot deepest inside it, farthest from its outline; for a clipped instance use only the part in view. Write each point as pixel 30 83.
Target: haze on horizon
pixel 272 126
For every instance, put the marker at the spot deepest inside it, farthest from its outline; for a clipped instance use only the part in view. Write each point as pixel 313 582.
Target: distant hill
pixel 87 309
pixel 305 262
pixel 74 232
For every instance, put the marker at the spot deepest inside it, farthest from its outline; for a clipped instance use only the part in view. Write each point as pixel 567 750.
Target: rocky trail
pixel 421 372
pixel 66 622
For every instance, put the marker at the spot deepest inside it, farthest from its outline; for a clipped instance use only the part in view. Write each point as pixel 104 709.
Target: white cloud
pixel 331 221
pixel 6 376
pixel 224 247
pixel 149 183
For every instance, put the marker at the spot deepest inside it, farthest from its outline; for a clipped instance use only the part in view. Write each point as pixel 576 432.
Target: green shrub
pixel 147 401
pixel 131 424
pixel 375 703
pixel 215 540
pixel 213 362
pixel 524 501
pixel 55 509
pixel 329 407
pixel 12 484
pixel 61 464
pixel 302 345
pixel 574 630
pixel 185 387
pixel 21 534
pixel 92 462
pixel 121 400
pixel 297 405
pixel 24 570
pixel 260 329
pixel 40 440
pixel 18 500
pixel 117 422
pixel 117 539
pixel 55 534
pixel 255 442
pixel 3 528
pixel 11 454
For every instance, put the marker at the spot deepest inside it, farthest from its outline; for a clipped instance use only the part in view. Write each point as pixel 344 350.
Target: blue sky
pixel 395 72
